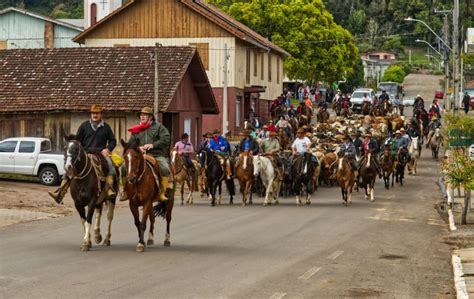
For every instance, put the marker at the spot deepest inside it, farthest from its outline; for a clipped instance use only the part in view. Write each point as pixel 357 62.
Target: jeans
pixel 110 166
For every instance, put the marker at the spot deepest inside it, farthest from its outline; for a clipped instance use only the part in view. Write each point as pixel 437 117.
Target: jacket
pixel 158 135
pixel 348 149
pixel 96 141
pixel 216 145
pixel 253 146
pixel 358 145
pixel 372 146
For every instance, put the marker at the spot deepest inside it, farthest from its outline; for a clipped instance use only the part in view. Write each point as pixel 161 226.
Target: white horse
pixel 414 150
pixel 263 166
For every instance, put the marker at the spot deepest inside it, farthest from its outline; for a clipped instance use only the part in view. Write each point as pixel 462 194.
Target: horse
pixel 294 125
pixel 278 110
pixel 345 177
pixel 142 190
pixel 435 143
pixel 263 167
pixel 385 107
pixel 346 112
pixel 302 177
pixel 366 108
pixel 182 176
pixel 244 173
pixel 414 150
pixel 368 173
pixel 387 164
pixel 422 119
pixel 322 116
pixel 402 160
pixel 215 174
pixel 87 190
pixel 283 138
pixel 327 168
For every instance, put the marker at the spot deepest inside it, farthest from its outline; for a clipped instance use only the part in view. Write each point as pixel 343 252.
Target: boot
pixel 59 194
pixel 164 185
pixel 123 195
pixel 109 182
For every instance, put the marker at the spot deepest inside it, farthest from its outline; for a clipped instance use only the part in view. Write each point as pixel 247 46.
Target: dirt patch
pixel 32 196
pixel 363 292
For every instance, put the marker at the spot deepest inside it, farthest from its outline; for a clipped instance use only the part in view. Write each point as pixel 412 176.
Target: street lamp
pixel 409 19
pixel 423 41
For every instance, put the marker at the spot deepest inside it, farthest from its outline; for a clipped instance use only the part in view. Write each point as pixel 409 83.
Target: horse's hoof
pixel 167 243
pixel 250 202
pixel 98 239
pixel 277 202
pixel 85 247
pixel 308 202
pixel 149 242
pixel 140 247
pixel 106 243
pixel 182 203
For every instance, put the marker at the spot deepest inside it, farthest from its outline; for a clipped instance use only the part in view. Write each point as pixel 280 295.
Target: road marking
pixel 277 295
pixel 335 255
pixel 307 275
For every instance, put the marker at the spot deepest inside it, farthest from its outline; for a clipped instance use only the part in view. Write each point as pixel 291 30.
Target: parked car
pixel 358 95
pixel 408 101
pixel 31 156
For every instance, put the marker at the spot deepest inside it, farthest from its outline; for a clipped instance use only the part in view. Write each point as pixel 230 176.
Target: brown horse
pixel 387 164
pixel 385 107
pixel 283 138
pixel 142 190
pixel 346 112
pixel 327 168
pixel 322 116
pixel 368 173
pixel 366 108
pixel 182 176
pixel 346 178
pixel 86 191
pixel 244 173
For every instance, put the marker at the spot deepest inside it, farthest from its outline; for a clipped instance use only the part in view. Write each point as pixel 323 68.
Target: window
pixel 203 51
pixel 187 127
pixel 8 146
pixel 269 67
pixel 255 63
pixel 238 101
pixel 386 57
pixel 247 68
pixel 45 146
pixel 262 66
pixel 278 70
pixel 27 147
pixel 93 14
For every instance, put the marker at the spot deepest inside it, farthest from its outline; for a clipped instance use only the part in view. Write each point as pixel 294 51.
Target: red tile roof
pixel 120 78
pixel 211 13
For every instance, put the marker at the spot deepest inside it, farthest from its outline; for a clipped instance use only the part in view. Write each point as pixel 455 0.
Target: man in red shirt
pixel 271 126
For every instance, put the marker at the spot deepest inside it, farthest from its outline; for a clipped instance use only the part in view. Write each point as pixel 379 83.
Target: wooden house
pixel 45 91
pixel 20 28
pixel 255 65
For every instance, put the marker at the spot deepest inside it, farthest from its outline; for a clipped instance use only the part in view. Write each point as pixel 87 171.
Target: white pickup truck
pixel 31 156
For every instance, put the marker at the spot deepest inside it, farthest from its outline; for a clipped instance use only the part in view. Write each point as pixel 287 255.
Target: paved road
pixel 389 248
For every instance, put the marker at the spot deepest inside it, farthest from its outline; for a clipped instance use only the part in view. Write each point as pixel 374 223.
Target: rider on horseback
pixel 154 140
pixel 369 145
pixel 399 142
pixel 185 148
pixel 300 147
pixel 205 142
pixel 95 136
pixel 349 150
pixel 270 148
pixel 434 124
pixel 249 144
pixel 285 125
pixel 221 147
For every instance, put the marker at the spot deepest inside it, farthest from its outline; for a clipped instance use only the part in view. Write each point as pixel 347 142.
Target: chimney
pixel 48 35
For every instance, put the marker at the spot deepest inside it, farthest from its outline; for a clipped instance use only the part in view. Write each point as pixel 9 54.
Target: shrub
pixel 394 73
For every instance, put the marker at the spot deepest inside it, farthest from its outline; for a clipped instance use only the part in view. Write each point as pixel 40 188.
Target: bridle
pixel 87 168
pixel 135 181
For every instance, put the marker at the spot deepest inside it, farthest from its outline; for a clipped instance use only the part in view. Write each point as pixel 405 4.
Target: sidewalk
pixel 464 275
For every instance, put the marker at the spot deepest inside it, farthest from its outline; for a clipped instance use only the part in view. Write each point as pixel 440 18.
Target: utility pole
pixel 409 56
pixel 447 78
pixel 224 93
pixel 456 53
pixel 156 101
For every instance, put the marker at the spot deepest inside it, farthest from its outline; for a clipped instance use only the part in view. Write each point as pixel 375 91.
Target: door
pixel 25 158
pixel 7 154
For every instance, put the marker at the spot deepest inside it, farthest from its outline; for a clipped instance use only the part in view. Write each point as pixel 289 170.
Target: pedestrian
pixel 466 102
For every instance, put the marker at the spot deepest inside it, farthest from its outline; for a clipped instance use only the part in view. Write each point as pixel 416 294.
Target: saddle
pixel 155 168
pixel 278 170
pixel 99 164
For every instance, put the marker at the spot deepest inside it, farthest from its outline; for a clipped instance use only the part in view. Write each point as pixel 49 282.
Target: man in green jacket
pixel 154 139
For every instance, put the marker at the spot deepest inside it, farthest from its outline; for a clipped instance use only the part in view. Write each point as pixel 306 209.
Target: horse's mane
pixel 134 144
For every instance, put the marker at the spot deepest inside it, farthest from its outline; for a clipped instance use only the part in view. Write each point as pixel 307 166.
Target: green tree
pixel 393 44
pixel 356 78
pixel 394 73
pixel 320 48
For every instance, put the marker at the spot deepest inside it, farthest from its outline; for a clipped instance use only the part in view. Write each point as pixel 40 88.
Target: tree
pixel 394 73
pixel 356 78
pixel 320 49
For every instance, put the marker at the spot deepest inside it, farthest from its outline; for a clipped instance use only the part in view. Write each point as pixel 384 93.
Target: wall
pixel 23 31
pixel 215 73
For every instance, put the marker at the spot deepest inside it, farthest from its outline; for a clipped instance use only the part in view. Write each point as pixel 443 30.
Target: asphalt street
pixel 389 248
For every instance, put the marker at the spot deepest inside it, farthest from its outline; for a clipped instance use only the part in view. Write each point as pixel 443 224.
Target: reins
pixel 84 172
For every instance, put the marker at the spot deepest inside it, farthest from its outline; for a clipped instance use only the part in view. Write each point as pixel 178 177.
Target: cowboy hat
pixel 96 108
pixel 145 110
pixel 346 137
pixel 434 117
pixel 368 134
pixel 272 133
pixel 402 130
pixel 207 134
pixel 216 132
pixel 398 132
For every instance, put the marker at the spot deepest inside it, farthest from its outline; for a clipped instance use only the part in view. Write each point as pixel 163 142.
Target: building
pixel 254 64
pixel 375 63
pixel 67 82
pixel 96 10
pixel 23 29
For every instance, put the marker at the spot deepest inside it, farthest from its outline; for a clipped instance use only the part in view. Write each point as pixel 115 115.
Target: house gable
pixel 154 19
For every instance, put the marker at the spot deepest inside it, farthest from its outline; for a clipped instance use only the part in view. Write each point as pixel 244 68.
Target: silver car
pixel 357 98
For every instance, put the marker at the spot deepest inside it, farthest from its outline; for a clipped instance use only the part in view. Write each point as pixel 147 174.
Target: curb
pixel 452 225
pixel 459 282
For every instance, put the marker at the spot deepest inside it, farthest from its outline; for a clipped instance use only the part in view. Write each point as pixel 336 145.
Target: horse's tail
pixel 160 209
pixel 230 186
